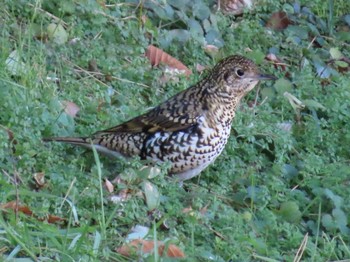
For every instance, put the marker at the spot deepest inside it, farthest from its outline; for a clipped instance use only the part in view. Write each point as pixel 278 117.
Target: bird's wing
pixel 173 115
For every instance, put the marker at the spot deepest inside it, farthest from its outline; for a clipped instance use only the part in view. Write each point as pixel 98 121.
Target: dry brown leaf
pixel 172 251
pixel 109 186
pixel 54 219
pixel 70 108
pixel 39 179
pixel 158 56
pixel 147 246
pixel 278 21
pixel 13 205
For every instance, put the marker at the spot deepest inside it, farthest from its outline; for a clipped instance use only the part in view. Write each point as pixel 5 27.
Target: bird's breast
pixel 187 149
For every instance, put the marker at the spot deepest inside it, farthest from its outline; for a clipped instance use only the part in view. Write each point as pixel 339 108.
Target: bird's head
pixel 237 75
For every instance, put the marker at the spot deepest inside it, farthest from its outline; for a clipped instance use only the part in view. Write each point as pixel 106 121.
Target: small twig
pixel 93 74
pixel 114 19
pixel 265 99
pixel 301 249
pixel 295 187
pixel 342 59
pixel 17 195
pixel 15 180
pixel 256 97
pixel 87 72
pixel 218 234
pixel 68 191
pixel 120 4
pixel 98 35
pixel 312 41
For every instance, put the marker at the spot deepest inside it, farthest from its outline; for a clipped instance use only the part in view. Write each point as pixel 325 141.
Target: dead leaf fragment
pixel 54 219
pixel 278 21
pixel 147 246
pixel 109 186
pixel 158 56
pixel 39 179
pixel 16 207
pixel 13 205
pixel 70 108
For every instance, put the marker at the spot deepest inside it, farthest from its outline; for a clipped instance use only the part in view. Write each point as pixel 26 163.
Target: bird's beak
pixel 266 77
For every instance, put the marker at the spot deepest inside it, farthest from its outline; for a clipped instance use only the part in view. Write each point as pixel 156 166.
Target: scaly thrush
pixel 190 129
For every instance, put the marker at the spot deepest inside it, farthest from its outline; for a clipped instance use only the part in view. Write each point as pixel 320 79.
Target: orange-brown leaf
pixel 147 246
pixel 158 56
pixel 15 207
pixel 54 219
pixel 172 251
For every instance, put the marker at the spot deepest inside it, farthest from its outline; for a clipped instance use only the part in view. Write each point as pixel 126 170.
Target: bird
pixel 190 129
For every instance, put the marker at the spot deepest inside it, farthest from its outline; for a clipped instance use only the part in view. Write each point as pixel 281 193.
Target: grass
pixel 279 191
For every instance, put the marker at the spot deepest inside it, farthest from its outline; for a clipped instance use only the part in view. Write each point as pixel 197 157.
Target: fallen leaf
pixel 147 246
pixel 13 205
pixel 70 108
pixel 158 56
pixel 109 186
pixel 54 219
pixel 278 21
pixel 39 179
pixel 172 251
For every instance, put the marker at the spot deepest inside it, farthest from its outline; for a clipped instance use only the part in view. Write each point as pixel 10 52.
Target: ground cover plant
pixel 279 192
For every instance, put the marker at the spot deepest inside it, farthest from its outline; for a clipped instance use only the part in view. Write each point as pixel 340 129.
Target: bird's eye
pixel 239 72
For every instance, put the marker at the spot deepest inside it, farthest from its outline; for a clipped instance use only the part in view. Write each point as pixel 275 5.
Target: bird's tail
pixel 85 142
pixel 80 141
